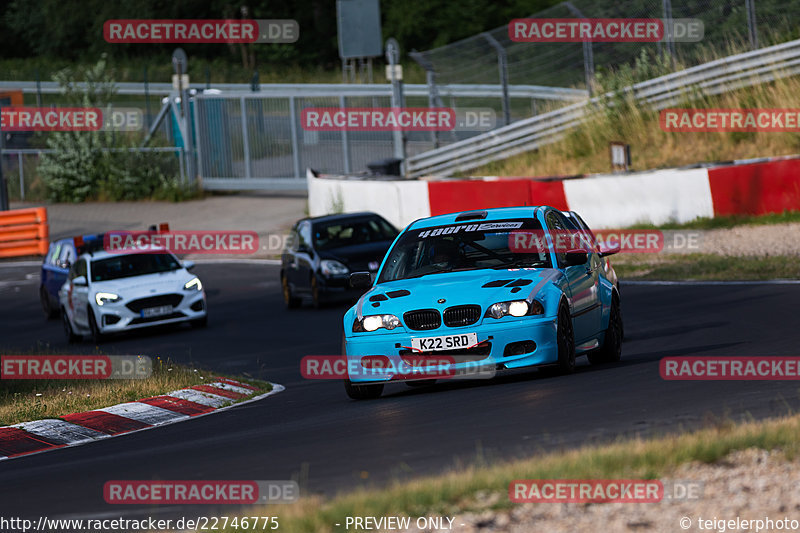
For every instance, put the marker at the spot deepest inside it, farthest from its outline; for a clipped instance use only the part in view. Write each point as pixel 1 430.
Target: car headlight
pixel 514 308
pixel 330 267
pixel 373 322
pixel 106 298
pixel 193 284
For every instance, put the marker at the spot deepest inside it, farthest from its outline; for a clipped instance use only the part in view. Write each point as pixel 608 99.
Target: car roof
pixel 342 217
pixel 102 254
pixel 496 213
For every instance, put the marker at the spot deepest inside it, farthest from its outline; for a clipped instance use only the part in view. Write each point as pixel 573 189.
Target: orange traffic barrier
pixel 24 232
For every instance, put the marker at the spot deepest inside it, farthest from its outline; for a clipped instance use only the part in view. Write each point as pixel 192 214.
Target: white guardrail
pixel 539 92
pixel 715 77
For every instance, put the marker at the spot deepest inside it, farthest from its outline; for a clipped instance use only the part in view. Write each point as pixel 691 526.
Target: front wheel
pixel 97 335
pixel 611 351
pixel 289 299
pixel 362 392
pixel 566 346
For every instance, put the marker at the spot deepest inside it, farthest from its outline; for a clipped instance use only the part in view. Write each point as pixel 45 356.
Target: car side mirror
pixel 605 252
pixel 188 264
pixel 361 280
pixel 80 281
pixel 576 257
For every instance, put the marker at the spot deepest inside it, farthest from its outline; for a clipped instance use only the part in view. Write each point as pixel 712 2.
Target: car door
pixel 583 283
pixel 51 271
pixel 78 295
pixel 304 257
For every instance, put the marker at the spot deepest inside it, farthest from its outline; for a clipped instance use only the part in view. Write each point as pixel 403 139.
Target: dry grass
pixel 586 150
pixel 477 488
pixel 25 400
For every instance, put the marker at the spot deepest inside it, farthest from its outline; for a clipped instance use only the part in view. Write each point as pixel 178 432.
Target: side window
pixel 77 269
pixel 556 224
pixel 67 255
pixel 291 242
pixel 55 251
pixel 304 233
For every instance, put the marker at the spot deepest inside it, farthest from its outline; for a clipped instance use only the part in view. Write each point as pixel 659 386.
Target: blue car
pixel 55 267
pixel 458 285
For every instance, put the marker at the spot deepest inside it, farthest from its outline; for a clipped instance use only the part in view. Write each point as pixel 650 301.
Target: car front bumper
pixel 114 317
pixel 501 335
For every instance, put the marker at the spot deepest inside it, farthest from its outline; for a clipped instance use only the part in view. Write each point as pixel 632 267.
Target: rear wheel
pixel 611 351
pixel 68 331
pixel 47 309
pixel 289 299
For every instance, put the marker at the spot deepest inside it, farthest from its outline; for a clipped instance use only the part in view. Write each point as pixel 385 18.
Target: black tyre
pixel 289 299
pixel 97 336
pixel 316 298
pixel 566 346
pixel 68 331
pixel 362 392
pixel 611 350
pixel 47 309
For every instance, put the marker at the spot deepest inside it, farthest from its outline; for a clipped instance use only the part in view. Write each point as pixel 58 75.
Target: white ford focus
pixel 110 292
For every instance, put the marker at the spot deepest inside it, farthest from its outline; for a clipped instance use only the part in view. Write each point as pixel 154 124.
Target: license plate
pixel 444 342
pixel 161 310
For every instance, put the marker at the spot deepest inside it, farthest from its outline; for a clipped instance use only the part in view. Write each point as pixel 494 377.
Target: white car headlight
pixel 103 298
pixel 193 284
pixel 515 308
pixel 373 322
pixel 330 267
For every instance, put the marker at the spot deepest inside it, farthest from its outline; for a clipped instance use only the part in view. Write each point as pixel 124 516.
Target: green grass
pixel 466 488
pixel 728 221
pixel 705 267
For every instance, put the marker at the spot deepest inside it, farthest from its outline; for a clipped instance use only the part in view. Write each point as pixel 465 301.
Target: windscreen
pixel 457 247
pixel 331 235
pixel 125 266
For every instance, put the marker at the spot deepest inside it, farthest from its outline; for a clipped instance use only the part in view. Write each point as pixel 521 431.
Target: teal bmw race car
pixel 501 288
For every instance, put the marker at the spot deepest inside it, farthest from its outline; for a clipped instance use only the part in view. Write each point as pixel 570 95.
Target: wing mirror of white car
pixel 576 257
pixel 80 281
pixel 188 264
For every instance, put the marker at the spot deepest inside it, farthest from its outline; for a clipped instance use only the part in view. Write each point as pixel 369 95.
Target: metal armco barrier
pixel 24 232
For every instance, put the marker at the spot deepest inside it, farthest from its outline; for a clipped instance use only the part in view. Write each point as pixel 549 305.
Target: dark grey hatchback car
pixel 321 252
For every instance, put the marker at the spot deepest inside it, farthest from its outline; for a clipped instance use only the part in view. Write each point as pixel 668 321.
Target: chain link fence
pixel 730 26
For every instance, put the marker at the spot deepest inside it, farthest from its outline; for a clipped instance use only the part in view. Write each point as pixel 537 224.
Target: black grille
pixel 154 301
pixel 461 315
pixel 422 319
pixel 141 320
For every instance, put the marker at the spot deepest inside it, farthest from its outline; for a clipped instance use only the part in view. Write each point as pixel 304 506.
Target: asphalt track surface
pixel 312 432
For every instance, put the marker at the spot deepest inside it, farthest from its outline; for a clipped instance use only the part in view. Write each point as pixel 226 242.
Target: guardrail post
pixel 752 30
pixel 3 185
pixel 667 6
pixel 433 92
pixel 393 57
pixel 345 140
pixel 21 178
pixel 295 144
pixel 245 140
pixel 502 65
pixel 588 52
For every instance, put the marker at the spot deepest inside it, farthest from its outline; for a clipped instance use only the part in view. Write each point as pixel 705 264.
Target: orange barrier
pixel 24 232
